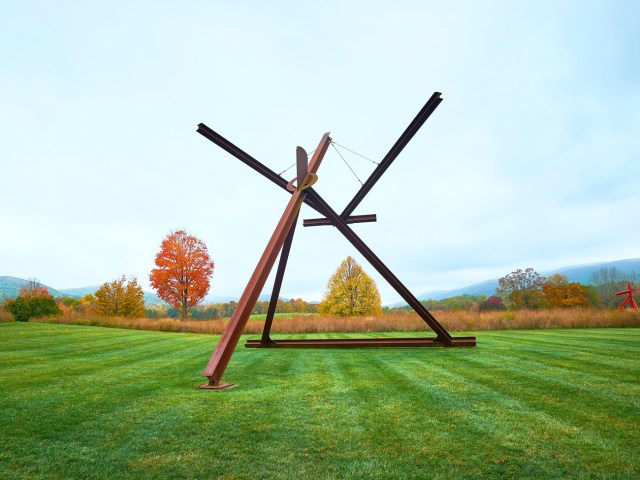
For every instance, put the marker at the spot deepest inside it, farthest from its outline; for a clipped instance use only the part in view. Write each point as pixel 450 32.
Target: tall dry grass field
pixel 401 322
pixel 5 316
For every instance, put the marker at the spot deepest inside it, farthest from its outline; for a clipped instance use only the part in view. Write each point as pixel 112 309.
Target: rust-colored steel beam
pixel 245 158
pixel 386 162
pixel 363 343
pixel 277 284
pixel 314 222
pixel 231 334
pixel 340 224
pixel 282 238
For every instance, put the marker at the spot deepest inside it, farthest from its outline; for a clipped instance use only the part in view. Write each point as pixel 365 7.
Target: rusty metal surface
pixel 231 334
pixel 241 155
pixel 386 162
pixel 245 158
pixel 395 150
pixel 277 284
pixel 217 386
pixel 314 222
pixel 382 269
pixel 283 236
pixel 363 343
pixel 302 166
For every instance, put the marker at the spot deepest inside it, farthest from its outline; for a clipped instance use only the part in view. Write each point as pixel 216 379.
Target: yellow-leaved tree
pixel 120 297
pixel 559 293
pixel 351 292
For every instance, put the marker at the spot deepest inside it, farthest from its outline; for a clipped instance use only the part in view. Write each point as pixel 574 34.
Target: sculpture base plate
pixel 217 386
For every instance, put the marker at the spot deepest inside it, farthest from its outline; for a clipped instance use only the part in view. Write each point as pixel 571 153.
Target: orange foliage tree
pixel 183 271
pixel 559 293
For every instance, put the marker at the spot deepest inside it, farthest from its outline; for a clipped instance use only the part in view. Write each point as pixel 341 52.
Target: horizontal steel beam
pixel 363 343
pixel 314 222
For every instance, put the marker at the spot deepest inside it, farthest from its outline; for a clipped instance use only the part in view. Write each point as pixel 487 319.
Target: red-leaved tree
pixel 182 273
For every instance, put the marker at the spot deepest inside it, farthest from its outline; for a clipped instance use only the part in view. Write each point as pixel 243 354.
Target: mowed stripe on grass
pixel 89 402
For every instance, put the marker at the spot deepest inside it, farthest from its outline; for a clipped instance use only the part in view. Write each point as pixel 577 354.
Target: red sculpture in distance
pixel 629 292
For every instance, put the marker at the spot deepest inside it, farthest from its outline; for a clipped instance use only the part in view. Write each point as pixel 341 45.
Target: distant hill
pixel 10 287
pixel 149 297
pixel 577 273
pixel 488 287
pixel 583 273
pixel 80 292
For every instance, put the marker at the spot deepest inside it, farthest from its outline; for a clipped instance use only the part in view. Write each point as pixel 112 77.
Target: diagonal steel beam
pixel 229 340
pixel 277 284
pixel 341 225
pixel 245 158
pixel 241 155
pixel 386 162
pixel 262 169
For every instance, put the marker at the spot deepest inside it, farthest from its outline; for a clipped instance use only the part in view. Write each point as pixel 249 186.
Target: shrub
pixel 30 306
pixel 492 303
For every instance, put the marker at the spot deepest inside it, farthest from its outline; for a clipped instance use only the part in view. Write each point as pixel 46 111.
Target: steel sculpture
pixel 301 192
pixel 629 293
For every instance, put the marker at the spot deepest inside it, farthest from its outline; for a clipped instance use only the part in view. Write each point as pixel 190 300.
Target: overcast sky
pixel 531 160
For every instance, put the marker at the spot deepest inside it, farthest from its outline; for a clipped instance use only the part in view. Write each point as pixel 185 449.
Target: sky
pixel 531 160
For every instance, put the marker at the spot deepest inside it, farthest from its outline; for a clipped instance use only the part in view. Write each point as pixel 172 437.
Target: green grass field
pixel 89 402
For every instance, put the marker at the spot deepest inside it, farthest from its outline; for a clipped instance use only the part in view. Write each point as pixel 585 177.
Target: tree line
pixel 217 311
pixel 526 289
pixel 182 279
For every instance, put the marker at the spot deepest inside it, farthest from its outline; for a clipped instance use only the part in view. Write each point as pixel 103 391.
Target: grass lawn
pixel 89 402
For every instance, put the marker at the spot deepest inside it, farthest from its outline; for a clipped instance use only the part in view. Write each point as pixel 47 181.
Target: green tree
pixel 460 302
pixel 522 289
pixel 591 291
pixel 120 297
pixel 33 301
pixel 351 292
pixel 70 302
